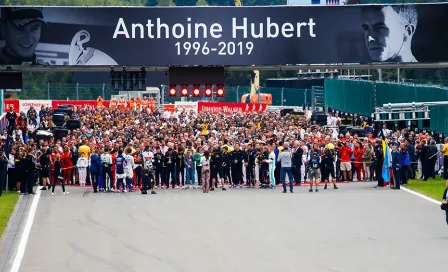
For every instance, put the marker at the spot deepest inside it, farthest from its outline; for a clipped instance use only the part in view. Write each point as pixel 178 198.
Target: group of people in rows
pixel 124 149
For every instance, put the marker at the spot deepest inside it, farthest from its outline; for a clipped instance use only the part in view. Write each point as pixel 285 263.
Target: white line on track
pixel 420 195
pixel 26 232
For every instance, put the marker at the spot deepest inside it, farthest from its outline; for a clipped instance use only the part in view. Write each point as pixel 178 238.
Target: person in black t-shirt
pixel 29 167
pixel 45 164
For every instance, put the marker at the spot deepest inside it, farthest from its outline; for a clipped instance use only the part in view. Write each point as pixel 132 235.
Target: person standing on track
pixel 159 159
pixel 396 166
pixel 45 164
pixel 189 166
pixel 378 157
pixel 328 161
pixel 3 170
pixel 226 160
pixel 249 162
pixel 205 175
pixel 120 165
pixel 197 160
pixel 82 165
pixel 285 161
pixel 66 160
pixel 271 162
pixel 237 166
pixel 314 165
pixel 445 200
pixel 95 166
pixel 129 169
pixel 57 174
pixel 106 161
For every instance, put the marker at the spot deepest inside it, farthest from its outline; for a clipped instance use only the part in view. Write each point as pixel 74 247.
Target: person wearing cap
pixel 20 28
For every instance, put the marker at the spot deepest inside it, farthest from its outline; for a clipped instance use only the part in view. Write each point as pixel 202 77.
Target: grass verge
pixel 7 203
pixel 432 187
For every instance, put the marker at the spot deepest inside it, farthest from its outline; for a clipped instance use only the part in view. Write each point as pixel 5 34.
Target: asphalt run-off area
pixel 356 228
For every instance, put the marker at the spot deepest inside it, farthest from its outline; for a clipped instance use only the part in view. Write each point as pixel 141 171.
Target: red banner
pixel 12 103
pixel 228 107
pixel 77 103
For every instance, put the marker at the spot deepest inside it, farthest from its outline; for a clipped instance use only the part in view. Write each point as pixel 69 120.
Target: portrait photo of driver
pixel 388 32
pixel 20 29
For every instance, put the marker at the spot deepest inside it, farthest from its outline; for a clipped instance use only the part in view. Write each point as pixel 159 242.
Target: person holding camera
pixel 314 165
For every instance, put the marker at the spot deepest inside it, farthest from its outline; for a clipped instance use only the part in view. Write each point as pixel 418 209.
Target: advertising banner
pixel 25 105
pixel 186 106
pixel 228 107
pixel 224 35
pixel 77 103
pixel 12 103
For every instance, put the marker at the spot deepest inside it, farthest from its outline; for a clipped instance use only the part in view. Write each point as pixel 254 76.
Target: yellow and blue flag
pixel 387 162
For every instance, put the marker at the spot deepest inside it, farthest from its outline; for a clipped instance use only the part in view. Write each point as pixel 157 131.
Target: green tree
pixel 166 3
pixel 186 3
pixel 202 3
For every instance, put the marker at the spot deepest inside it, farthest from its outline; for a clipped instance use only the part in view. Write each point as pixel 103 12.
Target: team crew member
pixel 180 168
pixel 158 164
pixel 138 160
pixel 205 175
pixel 197 160
pixel 30 167
pixel 225 164
pixel 45 164
pixel 106 161
pixel 271 161
pixel 189 166
pixel 170 163
pixel 129 169
pixel 120 165
pixel 82 165
pixel 249 162
pixel 237 157
pixel 58 175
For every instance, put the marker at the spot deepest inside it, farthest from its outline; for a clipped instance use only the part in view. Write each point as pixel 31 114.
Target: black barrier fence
pixel 220 36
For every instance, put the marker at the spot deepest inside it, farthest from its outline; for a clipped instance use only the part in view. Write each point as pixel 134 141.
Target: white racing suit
pixel 129 171
pixel 271 162
pixel 82 165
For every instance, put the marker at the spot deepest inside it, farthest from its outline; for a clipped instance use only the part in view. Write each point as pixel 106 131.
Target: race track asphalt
pixel 354 229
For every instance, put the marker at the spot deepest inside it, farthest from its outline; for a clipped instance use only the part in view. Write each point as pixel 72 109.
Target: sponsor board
pixel 186 106
pixel 228 107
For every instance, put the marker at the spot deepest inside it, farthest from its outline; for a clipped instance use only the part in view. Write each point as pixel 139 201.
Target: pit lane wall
pixel 213 107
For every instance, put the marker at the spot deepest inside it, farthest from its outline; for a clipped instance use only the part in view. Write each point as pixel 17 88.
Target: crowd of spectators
pixel 125 149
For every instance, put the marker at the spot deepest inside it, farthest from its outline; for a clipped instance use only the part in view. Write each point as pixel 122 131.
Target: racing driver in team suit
pixel 20 28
